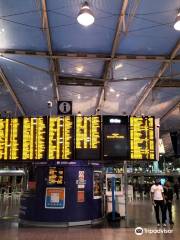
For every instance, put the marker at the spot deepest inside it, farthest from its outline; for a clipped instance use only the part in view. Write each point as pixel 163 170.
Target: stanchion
pixel 126 192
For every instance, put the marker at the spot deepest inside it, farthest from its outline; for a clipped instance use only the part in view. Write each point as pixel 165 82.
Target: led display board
pixel 56 176
pixel 10 139
pixel 142 138
pixel 88 138
pixel 115 138
pixel 34 138
pixel 60 143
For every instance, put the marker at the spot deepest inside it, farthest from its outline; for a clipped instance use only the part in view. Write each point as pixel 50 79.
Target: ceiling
pixel 127 62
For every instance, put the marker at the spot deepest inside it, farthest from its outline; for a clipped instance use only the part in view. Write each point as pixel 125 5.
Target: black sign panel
pixel 115 136
pixel 65 107
pixel 56 176
pixel 88 137
pixel 60 144
pixel 142 138
pixel 10 139
pixel 34 138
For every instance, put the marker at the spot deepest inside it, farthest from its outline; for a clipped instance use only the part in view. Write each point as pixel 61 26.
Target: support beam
pixel 48 35
pixel 90 56
pixel 115 45
pixel 96 82
pixel 172 108
pixel 168 82
pixel 13 95
pixel 154 81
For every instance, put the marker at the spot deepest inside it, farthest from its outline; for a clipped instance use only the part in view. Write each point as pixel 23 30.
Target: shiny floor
pixel 140 214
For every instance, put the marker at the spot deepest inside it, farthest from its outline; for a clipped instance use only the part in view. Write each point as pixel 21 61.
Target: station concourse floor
pixel 140 215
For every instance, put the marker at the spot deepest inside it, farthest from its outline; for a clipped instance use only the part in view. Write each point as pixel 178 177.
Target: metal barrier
pixel 9 204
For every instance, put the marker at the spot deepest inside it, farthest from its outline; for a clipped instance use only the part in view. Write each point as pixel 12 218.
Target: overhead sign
pixel 65 107
pixel 60 143
pixel 10 138
pixel 142 138
pixel 88 137
pixel 116 138
pixel 34 138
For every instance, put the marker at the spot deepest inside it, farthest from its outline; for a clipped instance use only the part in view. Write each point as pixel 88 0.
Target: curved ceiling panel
pixel 7 105
pixel 172 122
pixel 68 35
pixel 33 88
pixel 134 69
pixel 121 97
pixel 20 25
pixel 173 71
pixel 151 31
pixel 160 101
pixel 82 67
pixel 84 98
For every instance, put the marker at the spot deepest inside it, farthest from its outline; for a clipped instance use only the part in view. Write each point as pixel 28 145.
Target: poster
pixel 55 198
pixel 97 186
pixel 80 197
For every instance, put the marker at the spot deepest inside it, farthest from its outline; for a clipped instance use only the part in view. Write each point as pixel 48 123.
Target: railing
pixel 9 205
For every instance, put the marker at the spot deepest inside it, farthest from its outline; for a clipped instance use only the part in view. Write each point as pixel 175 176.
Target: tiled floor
pixel 140 214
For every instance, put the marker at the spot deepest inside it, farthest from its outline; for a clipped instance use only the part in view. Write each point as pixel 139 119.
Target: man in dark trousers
pixel 157 196
pixel 176 189
pixel 168 196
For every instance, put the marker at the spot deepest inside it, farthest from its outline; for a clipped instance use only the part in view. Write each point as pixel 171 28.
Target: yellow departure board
pixel 142 138
pixel 88 137
pixel 10 139
pixel 60 146
pixel 56 176
pixel 34 138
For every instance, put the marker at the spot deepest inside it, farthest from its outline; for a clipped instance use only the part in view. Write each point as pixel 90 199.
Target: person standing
pixel 157 196
pixel 176 189
pixel 168 196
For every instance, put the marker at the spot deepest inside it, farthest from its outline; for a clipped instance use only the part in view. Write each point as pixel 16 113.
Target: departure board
pixel 115 138
pixel 88 137
pixel 60 146
pixel 142 138
pixel 10 139
pixel 56 176
pixel 34 138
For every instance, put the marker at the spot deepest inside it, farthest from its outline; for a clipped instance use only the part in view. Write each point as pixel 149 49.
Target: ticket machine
pixel 115 196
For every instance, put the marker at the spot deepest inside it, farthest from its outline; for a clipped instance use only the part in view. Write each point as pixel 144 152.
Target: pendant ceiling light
pixel 85 16
pixel 177 22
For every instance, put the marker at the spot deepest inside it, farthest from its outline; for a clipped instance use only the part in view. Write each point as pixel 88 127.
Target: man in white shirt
pixel 157 196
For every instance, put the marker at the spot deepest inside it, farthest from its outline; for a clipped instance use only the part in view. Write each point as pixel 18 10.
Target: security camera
pixel 49 104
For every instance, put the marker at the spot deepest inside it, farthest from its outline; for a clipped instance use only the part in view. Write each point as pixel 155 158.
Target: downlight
pixel 85 16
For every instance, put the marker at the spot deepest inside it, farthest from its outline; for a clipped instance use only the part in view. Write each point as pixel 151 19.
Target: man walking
pixel 157 196
pixel 168 196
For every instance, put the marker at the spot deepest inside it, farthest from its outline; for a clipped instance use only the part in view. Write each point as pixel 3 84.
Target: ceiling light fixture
pixel 117 95
pixel 177 22
pixel 85 16
pixel 118 66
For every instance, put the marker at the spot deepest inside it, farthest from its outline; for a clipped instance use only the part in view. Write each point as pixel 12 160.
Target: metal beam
pixel 83 55
pixel 45 25
pixel 168 82
pixel 153 82
pixel 116 40
pixel 12 93
pixel 172 108
pixel 87 81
